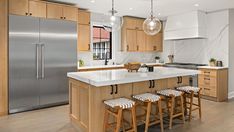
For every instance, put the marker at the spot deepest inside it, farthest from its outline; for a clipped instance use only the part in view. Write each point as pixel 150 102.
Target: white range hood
pixel 190 25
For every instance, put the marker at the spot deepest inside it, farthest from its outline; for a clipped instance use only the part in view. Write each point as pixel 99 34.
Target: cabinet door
pixel 141 40
pixel 154 43
pixel 83 37
pixel 37 9
pixel 130 23
pixel 160 85
pixel 18 7
pixel 123 90
pixel 83 17
pixel 141 87
pixel 54 11
pixel 139 24
pixel 70 13
pixel 177 82
pixel 131 40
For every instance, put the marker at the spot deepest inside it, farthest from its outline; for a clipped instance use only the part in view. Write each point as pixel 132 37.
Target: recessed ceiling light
pixel 159 14
pixel 92 1
pixel 196 5
pixel 130 8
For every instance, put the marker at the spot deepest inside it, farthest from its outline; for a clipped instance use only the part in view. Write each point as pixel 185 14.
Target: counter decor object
pixel 219 64
pixel 171 58
pixel 157 58
pixel 212 62
pixel 133 66
pixel 150 68
pixel 81 63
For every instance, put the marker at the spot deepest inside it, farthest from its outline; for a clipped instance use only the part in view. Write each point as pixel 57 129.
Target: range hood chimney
pixel 190 25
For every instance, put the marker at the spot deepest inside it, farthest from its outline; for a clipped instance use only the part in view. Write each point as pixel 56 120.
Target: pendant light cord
pixel 152 10
pixel 113 7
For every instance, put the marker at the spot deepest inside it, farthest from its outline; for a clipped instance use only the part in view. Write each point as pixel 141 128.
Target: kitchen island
pixel 88 90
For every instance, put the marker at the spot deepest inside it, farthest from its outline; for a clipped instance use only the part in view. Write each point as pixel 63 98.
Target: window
pixel 102 44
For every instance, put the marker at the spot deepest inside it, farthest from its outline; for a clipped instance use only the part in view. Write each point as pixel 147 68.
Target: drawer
pixel 208 91
pixel 208 72
pixel 207 80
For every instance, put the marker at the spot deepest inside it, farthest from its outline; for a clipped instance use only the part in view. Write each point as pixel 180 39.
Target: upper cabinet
pixel 18 7
pixel 27 8
pixel 83 17
pixel 39 8
pixel 84 30
pixel 134 39
pixel 58 11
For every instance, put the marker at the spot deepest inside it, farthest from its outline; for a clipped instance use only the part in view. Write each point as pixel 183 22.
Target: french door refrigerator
pixel 41 52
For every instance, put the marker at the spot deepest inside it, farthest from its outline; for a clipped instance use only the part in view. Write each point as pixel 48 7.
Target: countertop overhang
pixel 122 76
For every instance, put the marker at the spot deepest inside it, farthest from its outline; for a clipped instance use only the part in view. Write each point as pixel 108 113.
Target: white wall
pixel 118 57
pixel 231 55
pixel 201 50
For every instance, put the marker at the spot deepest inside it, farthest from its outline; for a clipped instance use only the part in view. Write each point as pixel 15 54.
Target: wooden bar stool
pixel 190 93
pixel 115 108
pixel 171 96
pixel 150 99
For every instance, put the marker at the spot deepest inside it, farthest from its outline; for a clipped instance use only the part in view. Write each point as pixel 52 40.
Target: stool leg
pixel 134 118
pixel 199 104
pixel 147 121
pixel 185 104
pixel 106 117
pixel 160 115
pixel 123 124
pixel 182 107
pixel 119 119
pixel 191 105
pixel 171 111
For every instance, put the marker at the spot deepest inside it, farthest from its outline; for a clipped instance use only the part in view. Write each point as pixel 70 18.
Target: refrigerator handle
pixel 42 61
pixel 37 61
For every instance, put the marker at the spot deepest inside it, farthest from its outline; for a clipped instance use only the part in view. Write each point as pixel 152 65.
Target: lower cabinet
pixel 177 82
pixel 214 84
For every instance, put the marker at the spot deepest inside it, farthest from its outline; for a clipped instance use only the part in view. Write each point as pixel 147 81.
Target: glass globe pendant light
pixel 115 22
pixel 152 25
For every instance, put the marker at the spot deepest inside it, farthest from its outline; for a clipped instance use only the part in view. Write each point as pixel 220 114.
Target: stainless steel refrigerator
pixel 41 52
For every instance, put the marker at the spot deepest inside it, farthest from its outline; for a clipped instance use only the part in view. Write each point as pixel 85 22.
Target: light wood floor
pixel 217 117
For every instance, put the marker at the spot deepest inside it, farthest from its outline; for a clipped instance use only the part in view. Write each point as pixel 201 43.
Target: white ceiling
pixel 141 8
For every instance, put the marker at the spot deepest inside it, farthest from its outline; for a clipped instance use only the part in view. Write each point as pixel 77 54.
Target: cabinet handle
pixel 181 79
pixel 155 47
pixel 61 17
pixel 89 47
pixel 112 89
pixel 206 72
pixel 30 14
pixel 64 17
pixel 150 84
pixel 116 89
pixel 153 84
pixel 127 47
pixel 137 47
pixel 206 78
pixel 178 80
pixel 26 13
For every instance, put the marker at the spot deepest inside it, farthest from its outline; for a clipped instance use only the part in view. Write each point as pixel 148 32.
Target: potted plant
pixel 212 62
pixel 157 58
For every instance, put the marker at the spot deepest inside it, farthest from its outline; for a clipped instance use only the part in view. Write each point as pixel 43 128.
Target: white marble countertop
pixel 212 67
pixel 111 77
pixel 112 66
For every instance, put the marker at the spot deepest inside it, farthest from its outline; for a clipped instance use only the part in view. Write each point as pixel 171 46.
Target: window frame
pixel 110 48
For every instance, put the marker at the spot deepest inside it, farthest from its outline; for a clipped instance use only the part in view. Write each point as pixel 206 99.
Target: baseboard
pixel 231 95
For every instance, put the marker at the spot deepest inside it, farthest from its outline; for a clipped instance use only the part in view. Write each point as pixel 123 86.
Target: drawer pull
pixel 206 72
pixel 206 78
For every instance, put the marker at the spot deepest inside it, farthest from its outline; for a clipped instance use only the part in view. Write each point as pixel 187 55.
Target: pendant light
pixel 115 22
pixel 152 25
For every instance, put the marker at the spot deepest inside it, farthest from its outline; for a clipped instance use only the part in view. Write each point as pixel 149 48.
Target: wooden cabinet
pixel 134 39
pixel 83 37
pixel 37 9
pixel 213 84
pixel 83 43
pixel 141 87
pixel 58 11
pixel 131 40
pixel 18 7
pixel 140 40
pixel 84 17
pixel 154 43
pixel 177 82
pixel 27 8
